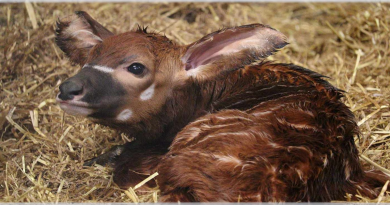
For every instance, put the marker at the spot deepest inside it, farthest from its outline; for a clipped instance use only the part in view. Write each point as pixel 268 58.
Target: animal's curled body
pixel 216 127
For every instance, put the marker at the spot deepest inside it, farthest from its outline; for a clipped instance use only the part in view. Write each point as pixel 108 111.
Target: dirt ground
pixel 42 149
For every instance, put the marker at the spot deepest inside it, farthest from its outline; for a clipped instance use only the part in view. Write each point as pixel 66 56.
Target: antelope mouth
pixel 75 107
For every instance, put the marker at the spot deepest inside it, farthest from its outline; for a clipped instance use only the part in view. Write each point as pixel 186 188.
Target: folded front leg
pixel 137 161
pixel 107 158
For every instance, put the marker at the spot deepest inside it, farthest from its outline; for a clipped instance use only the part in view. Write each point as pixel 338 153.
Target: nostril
pixel 76 92
pixel 70 89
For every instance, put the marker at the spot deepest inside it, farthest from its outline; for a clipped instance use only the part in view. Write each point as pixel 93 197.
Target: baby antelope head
pixel 130 77
pixel 121 77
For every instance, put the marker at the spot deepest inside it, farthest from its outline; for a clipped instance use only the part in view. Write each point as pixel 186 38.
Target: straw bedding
pixel 42 149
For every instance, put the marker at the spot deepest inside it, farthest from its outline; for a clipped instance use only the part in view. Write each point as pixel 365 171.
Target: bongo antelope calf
pixel 215 119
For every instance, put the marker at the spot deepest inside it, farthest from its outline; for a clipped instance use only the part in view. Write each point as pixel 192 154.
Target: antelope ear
pixel 231 48
pixel 77 34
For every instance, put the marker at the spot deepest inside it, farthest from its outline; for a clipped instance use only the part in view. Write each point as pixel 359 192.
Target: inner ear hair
pixel 77 34
pixel 231 48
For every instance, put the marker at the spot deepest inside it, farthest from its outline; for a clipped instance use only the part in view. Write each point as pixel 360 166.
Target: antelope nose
pixel 70 89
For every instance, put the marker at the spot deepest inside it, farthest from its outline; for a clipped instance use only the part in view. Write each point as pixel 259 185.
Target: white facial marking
pixel 101 68
pixel 124 115
pixel 148 93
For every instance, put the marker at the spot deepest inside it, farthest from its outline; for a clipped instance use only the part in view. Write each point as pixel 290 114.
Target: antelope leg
pixel 107 158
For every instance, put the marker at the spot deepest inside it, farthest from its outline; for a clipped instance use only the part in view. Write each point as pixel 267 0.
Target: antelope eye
pixel 136 68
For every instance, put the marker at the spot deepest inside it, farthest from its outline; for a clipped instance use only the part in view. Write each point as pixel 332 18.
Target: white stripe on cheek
pixel 124 115
pixel 101 68
pixel 148 93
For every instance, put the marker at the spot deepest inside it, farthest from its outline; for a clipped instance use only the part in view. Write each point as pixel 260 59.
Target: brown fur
pixel 290 146
pixel 231 131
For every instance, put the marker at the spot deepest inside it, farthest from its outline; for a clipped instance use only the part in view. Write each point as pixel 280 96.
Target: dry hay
pixel 42 150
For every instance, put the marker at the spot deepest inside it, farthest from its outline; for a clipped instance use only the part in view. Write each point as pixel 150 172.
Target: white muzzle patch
pixel 124 115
